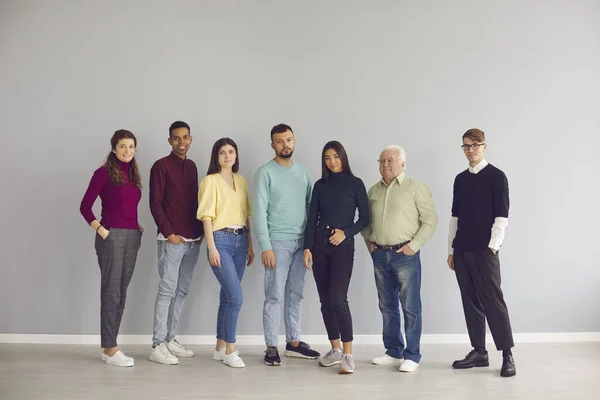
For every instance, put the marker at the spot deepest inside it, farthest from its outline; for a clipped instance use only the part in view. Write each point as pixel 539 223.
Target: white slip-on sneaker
pixel 233 360
pixel 119 360
pixel 386 360
pixel 408 366
pixel 104 356
pixel 178 350
pixel 219 355
pixel 161 354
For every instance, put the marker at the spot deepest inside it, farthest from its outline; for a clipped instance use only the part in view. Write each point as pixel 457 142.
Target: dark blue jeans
pixel 398 279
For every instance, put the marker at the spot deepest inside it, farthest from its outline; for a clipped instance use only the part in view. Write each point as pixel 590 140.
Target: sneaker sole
pixel 396 362
pixel 162 362
pixel 329 365
pixel 346 372
pixel 119 365
pixel 184 355
pixel 273 364
pixel 294 354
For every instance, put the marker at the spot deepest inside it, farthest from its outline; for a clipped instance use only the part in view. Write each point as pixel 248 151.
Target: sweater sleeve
pixel 313 217
pixel 97 184
pixel 261 205
pixel 362 203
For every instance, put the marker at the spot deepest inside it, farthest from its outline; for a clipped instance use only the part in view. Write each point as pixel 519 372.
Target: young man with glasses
pixel 479 219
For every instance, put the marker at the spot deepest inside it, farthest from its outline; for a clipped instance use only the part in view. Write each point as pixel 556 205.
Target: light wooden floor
pixel 544 371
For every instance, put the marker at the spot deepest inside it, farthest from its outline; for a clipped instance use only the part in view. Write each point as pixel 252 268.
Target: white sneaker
pixel 386 360
pixel 119 360
pixel 219 355
pixel 233 360
pixel 178 350
pixel 104 357
pixel 161 354
pixel 408 366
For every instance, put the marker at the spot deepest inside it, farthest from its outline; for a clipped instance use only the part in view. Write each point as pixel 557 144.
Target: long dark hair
pixel 337 146
pixel 213 166
pixel 115 175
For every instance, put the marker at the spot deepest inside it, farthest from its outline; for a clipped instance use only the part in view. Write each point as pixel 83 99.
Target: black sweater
pixel 478 200
pixel 334 204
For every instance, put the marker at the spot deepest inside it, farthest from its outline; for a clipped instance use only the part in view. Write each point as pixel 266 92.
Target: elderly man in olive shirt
pixel 403 219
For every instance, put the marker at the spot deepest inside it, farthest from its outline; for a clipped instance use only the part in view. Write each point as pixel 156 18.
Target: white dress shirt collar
pixel 482 164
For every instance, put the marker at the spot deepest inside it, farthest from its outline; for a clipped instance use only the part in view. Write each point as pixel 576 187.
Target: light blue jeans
pixel 233 250
pixel 284 283
pixel 176 263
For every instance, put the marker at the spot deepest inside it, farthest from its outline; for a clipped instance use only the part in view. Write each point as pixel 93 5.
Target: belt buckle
pixel 236 231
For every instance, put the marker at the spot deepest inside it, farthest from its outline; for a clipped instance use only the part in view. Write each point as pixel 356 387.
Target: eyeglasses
pixel 387 160
pixel 474 146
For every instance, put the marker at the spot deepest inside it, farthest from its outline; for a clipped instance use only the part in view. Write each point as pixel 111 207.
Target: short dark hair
pixel 337 146
pixel 475 134
pixel 178 124
pixel 280 128
pixel 213 166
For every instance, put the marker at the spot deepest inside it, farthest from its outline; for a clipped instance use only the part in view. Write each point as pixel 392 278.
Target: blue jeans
pixel 176 263
pixel 233 250
pixel 398 276
pixel 284 282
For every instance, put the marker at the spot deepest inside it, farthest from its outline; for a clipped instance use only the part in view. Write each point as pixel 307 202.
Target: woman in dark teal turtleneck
pixel 329 247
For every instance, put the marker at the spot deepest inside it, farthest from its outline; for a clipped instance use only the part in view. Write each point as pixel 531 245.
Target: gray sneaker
pixel 347 364
pixel 333 357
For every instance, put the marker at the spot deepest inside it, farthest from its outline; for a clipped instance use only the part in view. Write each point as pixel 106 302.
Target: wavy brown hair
pixel 115 175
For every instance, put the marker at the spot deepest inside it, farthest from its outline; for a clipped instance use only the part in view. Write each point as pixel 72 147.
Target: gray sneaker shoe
pixel 333 357
pixel 347 364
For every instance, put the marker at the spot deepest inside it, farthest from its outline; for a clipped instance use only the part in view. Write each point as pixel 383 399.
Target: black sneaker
pixel 272 356
pixel 303 350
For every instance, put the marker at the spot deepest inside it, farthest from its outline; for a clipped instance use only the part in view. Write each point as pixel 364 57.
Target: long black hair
pixel 339 149
pixel 213 166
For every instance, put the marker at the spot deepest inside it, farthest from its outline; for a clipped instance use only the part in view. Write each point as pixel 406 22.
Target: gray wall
pixel 373 73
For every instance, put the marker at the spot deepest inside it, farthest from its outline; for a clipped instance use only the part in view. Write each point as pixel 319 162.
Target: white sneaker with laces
pixel 219 355
pixel 408 366
pixel 178 350
pixel 161 354
pixel 386 360
pixel 119 360
pixel 233 360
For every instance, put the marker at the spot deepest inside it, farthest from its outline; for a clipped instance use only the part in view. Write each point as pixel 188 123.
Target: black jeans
pixel 478 276
pixel 332 269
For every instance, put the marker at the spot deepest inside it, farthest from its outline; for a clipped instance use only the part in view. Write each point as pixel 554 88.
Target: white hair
pixel 397 149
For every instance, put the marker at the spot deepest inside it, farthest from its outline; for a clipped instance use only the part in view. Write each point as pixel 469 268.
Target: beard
pixel 284 155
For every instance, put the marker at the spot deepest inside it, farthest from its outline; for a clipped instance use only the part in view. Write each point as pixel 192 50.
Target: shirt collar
pixel 399 179
pixel 175 158
pixel 482 164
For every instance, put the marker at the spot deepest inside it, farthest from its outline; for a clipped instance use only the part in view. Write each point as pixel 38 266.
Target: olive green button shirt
pixel 401 212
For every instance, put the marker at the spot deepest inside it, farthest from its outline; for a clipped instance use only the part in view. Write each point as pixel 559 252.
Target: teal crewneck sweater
pixel 281 199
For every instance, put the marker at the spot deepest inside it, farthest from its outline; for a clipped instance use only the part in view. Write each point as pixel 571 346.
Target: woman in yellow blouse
pixel 224 209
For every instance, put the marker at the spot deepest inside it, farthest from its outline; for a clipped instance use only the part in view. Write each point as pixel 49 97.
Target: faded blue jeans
pixel 398 277
pixel 233 249
pixel 284 283
pixel 176 263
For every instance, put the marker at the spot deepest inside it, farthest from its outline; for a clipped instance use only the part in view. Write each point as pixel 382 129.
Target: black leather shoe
pixel 473 359
pixel 508 367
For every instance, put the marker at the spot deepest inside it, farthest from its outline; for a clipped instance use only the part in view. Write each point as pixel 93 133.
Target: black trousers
pixel 116 257
pixel 478 276
pixel 332 269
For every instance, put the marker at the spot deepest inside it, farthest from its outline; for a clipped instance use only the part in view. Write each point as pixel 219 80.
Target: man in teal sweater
pixel 282 195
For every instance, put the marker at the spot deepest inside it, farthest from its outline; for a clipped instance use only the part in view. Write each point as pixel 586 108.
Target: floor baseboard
pixel 248 340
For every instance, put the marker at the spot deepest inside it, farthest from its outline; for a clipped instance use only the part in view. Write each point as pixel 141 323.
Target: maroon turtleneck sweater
pixel 119 202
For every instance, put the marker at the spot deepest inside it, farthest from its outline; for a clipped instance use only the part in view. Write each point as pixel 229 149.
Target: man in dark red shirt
pixel 173 203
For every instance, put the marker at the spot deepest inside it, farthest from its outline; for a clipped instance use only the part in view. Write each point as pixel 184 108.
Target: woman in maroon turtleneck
pixel 118 236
